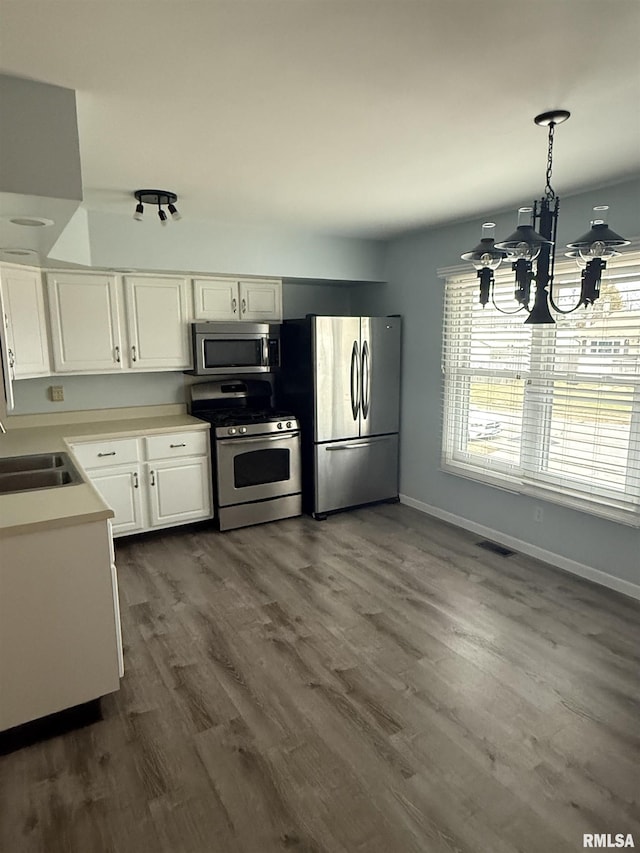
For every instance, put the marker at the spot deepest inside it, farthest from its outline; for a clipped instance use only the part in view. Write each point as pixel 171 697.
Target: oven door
pixel 257 468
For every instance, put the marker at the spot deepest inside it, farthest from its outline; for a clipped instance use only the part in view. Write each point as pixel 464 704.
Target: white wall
pixel 415 291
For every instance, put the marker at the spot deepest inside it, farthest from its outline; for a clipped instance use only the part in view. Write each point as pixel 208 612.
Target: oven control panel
pixel 265 428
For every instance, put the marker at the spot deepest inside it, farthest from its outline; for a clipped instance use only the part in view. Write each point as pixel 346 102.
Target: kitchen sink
pixel 38 471
pixel 35 462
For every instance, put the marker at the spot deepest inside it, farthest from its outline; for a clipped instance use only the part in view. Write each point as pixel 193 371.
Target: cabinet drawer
pixel 171 445
pixel 100 454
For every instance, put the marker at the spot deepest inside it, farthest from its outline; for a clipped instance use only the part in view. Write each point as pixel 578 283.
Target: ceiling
pixel 352 117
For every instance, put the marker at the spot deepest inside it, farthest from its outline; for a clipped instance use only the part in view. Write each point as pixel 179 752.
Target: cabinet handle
pixel 177 445
pixel 153 478
pixel 135 480
pixel 110 453
pixel 134 354
pixel 118 354
pixel 244 306
pixel 234 305
pixel 12 358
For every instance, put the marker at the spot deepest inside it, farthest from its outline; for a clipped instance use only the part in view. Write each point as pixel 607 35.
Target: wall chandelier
pixel 159 197
pixel 527 245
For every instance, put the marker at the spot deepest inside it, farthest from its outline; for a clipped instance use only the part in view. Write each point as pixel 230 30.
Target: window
pixel 552 411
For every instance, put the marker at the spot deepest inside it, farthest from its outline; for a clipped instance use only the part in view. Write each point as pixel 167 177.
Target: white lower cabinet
pixel 179 491
pixel 151 480
pixel 60 642
pixel 121 489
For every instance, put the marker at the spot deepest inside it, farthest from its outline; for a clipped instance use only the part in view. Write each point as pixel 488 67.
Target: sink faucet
pixel 2 429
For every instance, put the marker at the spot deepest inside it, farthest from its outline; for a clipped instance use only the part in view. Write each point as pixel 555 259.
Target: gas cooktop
pixel 240 417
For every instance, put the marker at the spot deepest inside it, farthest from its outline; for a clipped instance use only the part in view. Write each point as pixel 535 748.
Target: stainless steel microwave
pixel 225 348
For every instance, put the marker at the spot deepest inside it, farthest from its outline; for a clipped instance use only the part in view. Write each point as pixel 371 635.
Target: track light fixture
pixel 527 245
pixel 159 198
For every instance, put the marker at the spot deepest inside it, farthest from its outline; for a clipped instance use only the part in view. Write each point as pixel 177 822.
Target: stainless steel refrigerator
pixel 341 377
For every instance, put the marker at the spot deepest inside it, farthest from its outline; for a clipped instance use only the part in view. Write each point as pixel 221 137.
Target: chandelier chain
pixel 548 190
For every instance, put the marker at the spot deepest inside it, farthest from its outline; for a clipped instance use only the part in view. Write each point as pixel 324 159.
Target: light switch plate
pixel 57 393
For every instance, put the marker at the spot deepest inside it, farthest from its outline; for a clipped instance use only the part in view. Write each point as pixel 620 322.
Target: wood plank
pixel 370 684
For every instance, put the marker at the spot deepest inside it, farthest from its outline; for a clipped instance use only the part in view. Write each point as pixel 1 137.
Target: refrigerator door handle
pixel 355 382
pixel 366 380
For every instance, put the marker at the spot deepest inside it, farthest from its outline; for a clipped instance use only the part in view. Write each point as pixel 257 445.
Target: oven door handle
pixel 279 437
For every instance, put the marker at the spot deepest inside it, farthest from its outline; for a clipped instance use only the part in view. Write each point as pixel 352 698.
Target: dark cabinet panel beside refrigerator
pixel 341 377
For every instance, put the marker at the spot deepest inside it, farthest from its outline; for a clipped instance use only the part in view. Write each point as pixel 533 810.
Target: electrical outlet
pixel 57 393
pixel 538 514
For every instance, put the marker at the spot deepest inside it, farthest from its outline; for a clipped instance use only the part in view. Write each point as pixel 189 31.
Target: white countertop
pixel 73 504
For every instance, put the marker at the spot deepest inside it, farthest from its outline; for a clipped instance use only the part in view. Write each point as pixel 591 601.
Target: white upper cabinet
pixel 215 299
pixel 91 332
pixel 27 347
pixel 85 323
pixel 260 300
pixel 158 315
pixel 233 299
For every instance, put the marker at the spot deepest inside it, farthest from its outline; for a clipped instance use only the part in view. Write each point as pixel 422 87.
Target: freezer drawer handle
pixel 240 442
pixel 355 382
pixel 356 446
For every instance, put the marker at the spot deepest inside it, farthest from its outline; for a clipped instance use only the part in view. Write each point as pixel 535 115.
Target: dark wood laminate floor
pixel 375 682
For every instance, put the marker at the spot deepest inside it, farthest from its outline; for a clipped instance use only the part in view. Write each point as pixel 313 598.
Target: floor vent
pixel 497 549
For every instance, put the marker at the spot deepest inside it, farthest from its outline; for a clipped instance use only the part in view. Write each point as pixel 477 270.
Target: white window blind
pixel 552 411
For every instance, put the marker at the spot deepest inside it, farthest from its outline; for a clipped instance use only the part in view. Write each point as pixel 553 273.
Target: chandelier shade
pixel 485 255
pixel 524 239
pixel 600 236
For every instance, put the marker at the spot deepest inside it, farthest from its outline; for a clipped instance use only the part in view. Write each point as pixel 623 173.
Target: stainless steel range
pixel 255 452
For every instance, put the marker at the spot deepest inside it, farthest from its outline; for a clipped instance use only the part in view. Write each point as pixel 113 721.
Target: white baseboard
pixel 567 565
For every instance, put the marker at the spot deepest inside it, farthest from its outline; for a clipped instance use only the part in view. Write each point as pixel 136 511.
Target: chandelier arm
pixel 502 311
pixel 558 309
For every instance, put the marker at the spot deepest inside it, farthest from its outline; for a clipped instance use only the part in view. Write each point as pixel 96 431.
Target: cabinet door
pixel 6 358
pixel 215 299
pixel 157 321
pixel 261 300
pixel 23 301
pixel 121 489
pixel 85 329
pixel 179 491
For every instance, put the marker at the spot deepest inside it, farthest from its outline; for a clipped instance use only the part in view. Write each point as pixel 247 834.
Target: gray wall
pixel 415 291
pixel 217 247
pixel 299 299
pixel 39 140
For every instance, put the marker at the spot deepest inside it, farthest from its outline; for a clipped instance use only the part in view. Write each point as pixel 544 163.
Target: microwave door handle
pixel 265 352
pixel 355 382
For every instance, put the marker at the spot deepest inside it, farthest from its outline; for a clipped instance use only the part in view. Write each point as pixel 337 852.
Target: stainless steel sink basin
pixel 35 462
pixel 38 471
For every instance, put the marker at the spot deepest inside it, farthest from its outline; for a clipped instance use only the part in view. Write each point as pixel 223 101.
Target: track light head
pixel 173 210
pixel 163 216
pixel 139 211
